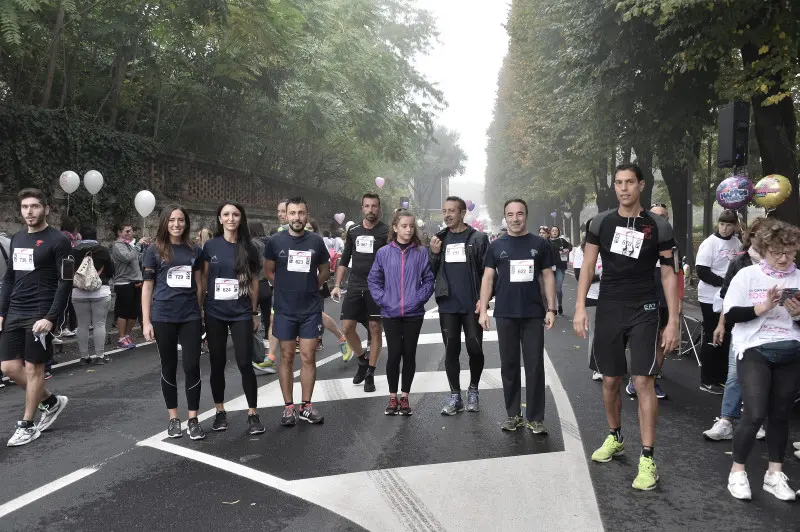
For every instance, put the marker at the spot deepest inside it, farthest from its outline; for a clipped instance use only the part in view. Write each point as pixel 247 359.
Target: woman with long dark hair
pixel 230 274
pixel 171 313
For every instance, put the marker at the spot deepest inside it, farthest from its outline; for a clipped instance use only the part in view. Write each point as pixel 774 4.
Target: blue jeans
pixel 732 398
pixel 560 284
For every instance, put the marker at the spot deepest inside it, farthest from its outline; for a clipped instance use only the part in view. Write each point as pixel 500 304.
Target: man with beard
pixel 362 243
pixel 458 289
pixel 35 291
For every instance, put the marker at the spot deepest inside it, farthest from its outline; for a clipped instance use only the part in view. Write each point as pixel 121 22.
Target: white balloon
pixel 145 202
pixel 69 181
pixel 93 181
pixel 420 224
pixel 348 225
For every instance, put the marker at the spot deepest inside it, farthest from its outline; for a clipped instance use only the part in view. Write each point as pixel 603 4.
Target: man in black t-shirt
pixel 362 243
pixel 516 261
pixel 630 241
pixel 456 259
pixel 34 294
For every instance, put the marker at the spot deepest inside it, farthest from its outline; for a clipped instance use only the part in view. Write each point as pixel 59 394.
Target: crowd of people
pixel 191 291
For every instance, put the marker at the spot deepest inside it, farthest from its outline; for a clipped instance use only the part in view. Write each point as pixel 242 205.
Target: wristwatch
pixel 256 313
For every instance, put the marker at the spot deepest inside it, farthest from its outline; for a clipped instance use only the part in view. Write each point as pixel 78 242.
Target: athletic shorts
pixel 663 318
pixel 358 305
pixel 20 344
pixel 621 325
pixel 289 327
pixel 128 304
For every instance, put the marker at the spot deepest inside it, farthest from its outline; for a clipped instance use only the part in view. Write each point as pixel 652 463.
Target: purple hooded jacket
pixel 401 282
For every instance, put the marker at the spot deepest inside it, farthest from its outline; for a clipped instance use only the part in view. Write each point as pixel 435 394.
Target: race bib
pixel 627 242
pixel 23 259
pixel 521 271
pixel 564 255
pixel 179 277
pixel 455 253
pixel 299 261
pixel 365 244
pixel 226 289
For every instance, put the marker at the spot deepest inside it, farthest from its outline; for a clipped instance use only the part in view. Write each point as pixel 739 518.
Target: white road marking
pixel 44 491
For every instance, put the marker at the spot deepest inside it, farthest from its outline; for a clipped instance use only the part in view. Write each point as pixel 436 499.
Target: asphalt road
pixel 105 465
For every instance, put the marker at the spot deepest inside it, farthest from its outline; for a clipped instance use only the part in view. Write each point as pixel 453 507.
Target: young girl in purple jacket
pixel 401 282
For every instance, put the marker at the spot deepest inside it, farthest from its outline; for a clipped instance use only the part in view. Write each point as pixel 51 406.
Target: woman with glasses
pixel 766 341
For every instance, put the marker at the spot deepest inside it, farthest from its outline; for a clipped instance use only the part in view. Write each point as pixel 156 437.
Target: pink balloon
pixel 379 181
pixel 339 217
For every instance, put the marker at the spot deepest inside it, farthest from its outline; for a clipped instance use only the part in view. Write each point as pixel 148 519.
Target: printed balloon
pixel 379 182
pixel 735 192
pixel 69 181
pixel 772 190
pixel 339 217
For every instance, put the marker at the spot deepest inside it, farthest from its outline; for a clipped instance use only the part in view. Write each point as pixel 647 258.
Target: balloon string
pixel 68 204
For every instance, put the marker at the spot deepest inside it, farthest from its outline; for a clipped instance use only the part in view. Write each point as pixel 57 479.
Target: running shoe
pixel 194 429
pixel 739 486
pixel 369 381
pixel 347 351
pixel 320 347
pixel 48 375
pixel 404 409
pixel 67 333
pixel 86 360
pixel 289 418
pixel 473 403
pixel 536 427
pixel 454 405
pixel 661 394
pixel 220 421
pixel 647 478
pixel 126 343
pixel 50 414
pixel 391 410
pixel 610 448
pixel 26 432
pixel 796 445
pixel 762 433
pixel 97 359
pixel 361 373
pixel 660 374
pixel 57 341
pixel 265 368
pixel 512 423
pixel 777 484
pixel 714 389
pixel 630 389
pixel 309 414
pixel 560 310
pixel 722 430
pixel 254 422
pixel 597 376
pixel 174 429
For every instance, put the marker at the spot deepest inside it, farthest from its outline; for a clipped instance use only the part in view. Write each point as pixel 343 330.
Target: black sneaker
pixel 310 415
pixel 86 360
pixel 361 374
pixel 560 310
pixel 369 382
pixel 99 360
pixel 195 430
pixel 714 389
pixel 289 418
pixel 404 409
pixel 255 424
pixel 220 421
pixel 174 430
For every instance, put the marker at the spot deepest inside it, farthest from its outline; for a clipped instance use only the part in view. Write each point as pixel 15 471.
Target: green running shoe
pixel 513 423
pixel 610 448
pixel 648 474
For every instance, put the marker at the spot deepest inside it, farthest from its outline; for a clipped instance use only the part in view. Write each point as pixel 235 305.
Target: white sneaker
pixel 797 454
pixel 49 415
pixel 722 430
pixel 796 445
pixel 777 484
pixel 23 435
pixel 761 434
pixel 739 486
pixel 597 376
pixel 67 333
pixel 180 347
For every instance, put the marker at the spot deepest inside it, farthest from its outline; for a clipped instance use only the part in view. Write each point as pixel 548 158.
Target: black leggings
pixel 473 336
pixel 168 335
pixel 242 334
pixel 402 335
pixel 265 303
pixel 714 360
pixel 768 391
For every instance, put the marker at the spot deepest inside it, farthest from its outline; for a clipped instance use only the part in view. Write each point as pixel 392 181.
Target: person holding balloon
pixel 561 248
pixel 127 283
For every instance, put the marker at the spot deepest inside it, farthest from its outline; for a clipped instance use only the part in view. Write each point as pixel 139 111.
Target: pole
pixel 688 252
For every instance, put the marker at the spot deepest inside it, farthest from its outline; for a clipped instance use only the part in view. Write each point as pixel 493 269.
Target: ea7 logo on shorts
pixel 650 306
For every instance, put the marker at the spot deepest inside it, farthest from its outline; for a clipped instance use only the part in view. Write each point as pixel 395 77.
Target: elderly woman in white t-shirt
pixel 766 341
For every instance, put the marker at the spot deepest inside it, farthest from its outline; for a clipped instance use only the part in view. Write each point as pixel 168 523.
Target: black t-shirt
pixel 461 299
pixel 32 288
pixel 174 289
pixel 518 261
pixel 222 289
pixel 297 261
pixel 361 245
pixel 629 248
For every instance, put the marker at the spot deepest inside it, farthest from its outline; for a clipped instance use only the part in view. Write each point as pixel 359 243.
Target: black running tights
pixel 451 325
pixel 168 335
pixel 242 335
pixel 402 335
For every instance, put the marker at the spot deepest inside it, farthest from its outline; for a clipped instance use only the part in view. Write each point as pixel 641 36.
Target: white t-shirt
pixel 749 288
pixel 717 254
pixel 577 263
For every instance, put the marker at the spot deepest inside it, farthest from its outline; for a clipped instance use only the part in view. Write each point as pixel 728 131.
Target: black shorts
pixel 358 305
pixel 128 304
pixel 621 325
pixel 663 317
pixel 20 344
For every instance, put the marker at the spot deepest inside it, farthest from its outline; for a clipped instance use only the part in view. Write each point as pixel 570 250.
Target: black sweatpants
pixel 168 335
pixel 528 333
pixel 217 336
pixel 451 325
pixel 714 360
pixel 769 384
pixel 402 335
